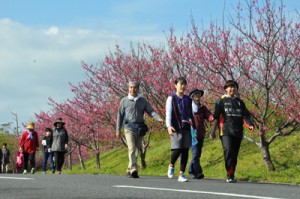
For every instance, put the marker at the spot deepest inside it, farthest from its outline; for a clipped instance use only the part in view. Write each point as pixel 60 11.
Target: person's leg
pixel 236 144
pixel 60 161
pixel 131 143
pixel 184 159
pixel 45 161
pixel 51 162
pixel 195 167
pixel 56 160
pixel 25 165
pixel 6 168
pixel 32 162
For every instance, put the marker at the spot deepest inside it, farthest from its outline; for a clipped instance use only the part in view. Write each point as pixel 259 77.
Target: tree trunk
pixel 264 148
pixel 80 157
pixel 98 160
pixel 70 161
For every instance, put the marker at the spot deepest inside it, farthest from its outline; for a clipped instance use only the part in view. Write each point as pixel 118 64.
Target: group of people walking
pixel 183 114
pixel 54 146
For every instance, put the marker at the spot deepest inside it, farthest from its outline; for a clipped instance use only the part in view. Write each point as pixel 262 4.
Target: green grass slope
pixel 285 153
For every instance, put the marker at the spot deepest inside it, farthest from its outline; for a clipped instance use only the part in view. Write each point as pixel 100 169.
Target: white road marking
pixel 16 178
pixel 192 191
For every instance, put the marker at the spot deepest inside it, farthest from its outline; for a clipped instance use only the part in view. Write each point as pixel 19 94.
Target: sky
pixel 43 42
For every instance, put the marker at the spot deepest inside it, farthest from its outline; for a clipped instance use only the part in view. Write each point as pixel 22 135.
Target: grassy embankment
pixel 285 153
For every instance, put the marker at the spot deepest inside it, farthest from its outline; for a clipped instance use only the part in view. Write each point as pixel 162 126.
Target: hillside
pixel 285 153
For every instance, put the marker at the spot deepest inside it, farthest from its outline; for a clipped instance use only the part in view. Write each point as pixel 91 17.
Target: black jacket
pixel 232 113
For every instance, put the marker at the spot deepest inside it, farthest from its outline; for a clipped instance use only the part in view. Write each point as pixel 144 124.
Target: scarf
pixel 130 97
pixel 30 137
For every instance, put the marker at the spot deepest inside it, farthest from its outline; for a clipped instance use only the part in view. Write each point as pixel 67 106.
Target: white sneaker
pixel 25 171
pixel 171 172
pixel 32 170
pixel 182 178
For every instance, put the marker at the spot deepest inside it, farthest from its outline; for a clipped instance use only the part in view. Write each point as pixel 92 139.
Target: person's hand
pixel 20 149
pixel 171 130
pixel 251 128
pixel 66 146
pixel 118 135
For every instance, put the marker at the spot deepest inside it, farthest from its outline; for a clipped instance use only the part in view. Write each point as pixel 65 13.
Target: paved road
pixel 112 186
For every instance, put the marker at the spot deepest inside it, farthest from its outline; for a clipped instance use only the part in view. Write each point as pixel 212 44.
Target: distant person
pixel 201 113
pixel 5 158
pixel 131 111
pixel 48 154
pixel 1 161
pixel 179 118
pixel 59 144
pixel 231 113
pixel 29 145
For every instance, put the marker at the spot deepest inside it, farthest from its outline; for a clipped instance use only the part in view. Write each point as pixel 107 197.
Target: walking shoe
pixel 135 174
pixel 128 174
pixel 43 172
pixel 230 178
pixel 199 176
pixel 171 172
pixel 182 178
pixel 25 171
pixel 58 172
pixel 53 172
pixel 32 170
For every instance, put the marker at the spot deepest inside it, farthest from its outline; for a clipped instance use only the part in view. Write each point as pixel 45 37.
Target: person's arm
pixel 120 118
pixel 66 140
pixel 247 118
pixel 169 116
pixel 151 112
pixel 208 115
pixel 216 115
pixel 22 142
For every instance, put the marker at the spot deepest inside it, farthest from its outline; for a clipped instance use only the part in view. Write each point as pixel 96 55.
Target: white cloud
pixel 38 62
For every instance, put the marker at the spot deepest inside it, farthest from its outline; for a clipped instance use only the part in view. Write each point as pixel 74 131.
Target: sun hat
pixel 30 125
pixel 58 120
pixel 231 83
pixel 194 91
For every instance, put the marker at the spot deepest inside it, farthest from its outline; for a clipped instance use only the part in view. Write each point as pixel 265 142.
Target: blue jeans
pixel 195 167
pixel 46 156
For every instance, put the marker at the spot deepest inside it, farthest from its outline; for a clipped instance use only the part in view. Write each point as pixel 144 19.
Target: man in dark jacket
pixel 231 113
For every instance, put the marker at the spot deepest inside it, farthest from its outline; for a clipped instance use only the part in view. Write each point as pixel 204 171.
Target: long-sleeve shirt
pixel 133 111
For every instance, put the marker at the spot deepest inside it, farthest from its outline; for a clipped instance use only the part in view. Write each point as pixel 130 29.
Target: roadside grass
pixel 285 153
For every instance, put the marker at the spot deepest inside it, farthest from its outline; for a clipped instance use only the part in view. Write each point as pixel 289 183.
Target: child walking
pixel 201 113
pixel 179 118
pixel 47 144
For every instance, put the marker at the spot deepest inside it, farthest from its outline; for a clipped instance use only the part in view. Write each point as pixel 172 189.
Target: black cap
pixel 194 91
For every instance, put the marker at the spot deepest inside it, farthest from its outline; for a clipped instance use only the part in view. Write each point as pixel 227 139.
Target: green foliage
pixel 285 154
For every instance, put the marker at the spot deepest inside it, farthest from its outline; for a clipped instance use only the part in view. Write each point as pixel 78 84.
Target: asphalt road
pixel 112 186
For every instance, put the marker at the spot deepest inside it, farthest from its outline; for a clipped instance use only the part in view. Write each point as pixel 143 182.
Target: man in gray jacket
pixel 131 111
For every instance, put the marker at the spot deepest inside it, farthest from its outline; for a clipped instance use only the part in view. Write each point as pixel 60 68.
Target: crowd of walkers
pixel 185 123
pixel 186 114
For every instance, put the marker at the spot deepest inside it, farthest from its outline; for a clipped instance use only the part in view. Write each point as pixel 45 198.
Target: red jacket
pixel 29 145
pixel 202 114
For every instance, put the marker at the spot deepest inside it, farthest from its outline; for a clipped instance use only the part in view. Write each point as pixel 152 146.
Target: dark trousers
pixel 31 158
pixel 59 159
pixel 184 157
pixel 47 156
pixel 231 146
pixel 195 166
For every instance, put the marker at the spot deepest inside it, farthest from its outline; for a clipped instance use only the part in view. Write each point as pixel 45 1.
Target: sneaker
pixel 135 174
pixel 171 172
pixel 58 172
pixel 25 171
pixel 53 172
pixel 43 172
pixel 32 170
pixel 199 176
pixel 182 178
pixel 230 180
